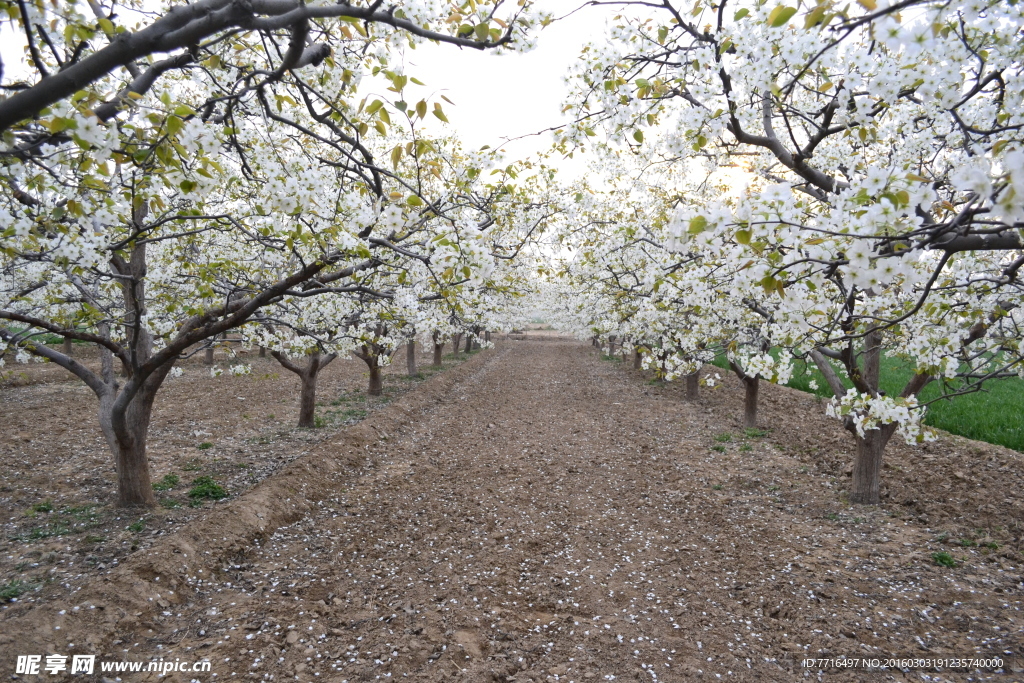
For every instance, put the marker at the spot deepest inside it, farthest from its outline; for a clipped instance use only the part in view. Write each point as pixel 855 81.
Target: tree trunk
pixel 487 336
pixel 128 446
pixel 611 345
pixel 376 387
pixel 455 344
pixel 263 352
pixel 66 347
pixel 307 400
pixel 867 465
pixel 750 402
pixel 438 350
pixel 126 428
pixel 410 358
pixel 134 486
pixel 469 343
pixel 208 360
pixel 307 376
pixel 693 386
pixel 638 359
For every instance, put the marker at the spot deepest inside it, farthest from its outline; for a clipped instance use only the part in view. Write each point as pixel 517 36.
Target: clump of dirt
pixel 549 516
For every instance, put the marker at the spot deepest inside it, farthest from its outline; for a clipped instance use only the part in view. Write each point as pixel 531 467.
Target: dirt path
pixel 556 518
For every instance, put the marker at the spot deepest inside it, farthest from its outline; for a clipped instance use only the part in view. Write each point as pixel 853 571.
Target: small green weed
pixel 724 437
pixel 746 447
pixel 49 530
pixel 137 526
pixel 943 559
pixel 270 417
pixel 967 543
pixel 717 487
pixel 832 516
pixel 168 482
pixel 169 503
pixel 773 488
pixel 12 590
pixel 992 545
pixel 45 506
pixel 319 422
pixel 205 446
pixel 192 465
pixel 754 433
pixel 94 539
pixel 205 487
pixel 720 449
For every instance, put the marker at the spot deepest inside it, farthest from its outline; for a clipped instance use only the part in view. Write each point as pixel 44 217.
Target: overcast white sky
pixel 503 96
pixel 508 95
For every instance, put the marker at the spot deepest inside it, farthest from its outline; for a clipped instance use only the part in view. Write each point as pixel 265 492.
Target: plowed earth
pixel 551 516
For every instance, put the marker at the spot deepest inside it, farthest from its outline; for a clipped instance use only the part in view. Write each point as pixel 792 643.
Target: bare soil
pixel 541 514
pixel 57 479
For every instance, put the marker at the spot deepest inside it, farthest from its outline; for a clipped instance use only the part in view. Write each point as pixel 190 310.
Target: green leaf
pixel 780 16
pixel 374 106
pixel 638 135
pixel 439 113
pixel 421 108
pixel 413 200
pixel 396 156
pixel 743 236
pixel 482 31
pixel 740 13
pixel 815 16
pixel 697 225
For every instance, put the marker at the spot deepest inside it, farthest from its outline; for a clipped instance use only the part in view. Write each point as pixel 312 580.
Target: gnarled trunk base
pixel 693 386
pixel 752 384
pixel 376 386
pixel 410 358
pixel 865 489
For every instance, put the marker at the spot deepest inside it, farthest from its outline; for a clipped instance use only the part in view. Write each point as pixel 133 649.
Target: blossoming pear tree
pixel 883 148
pixel 162 183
